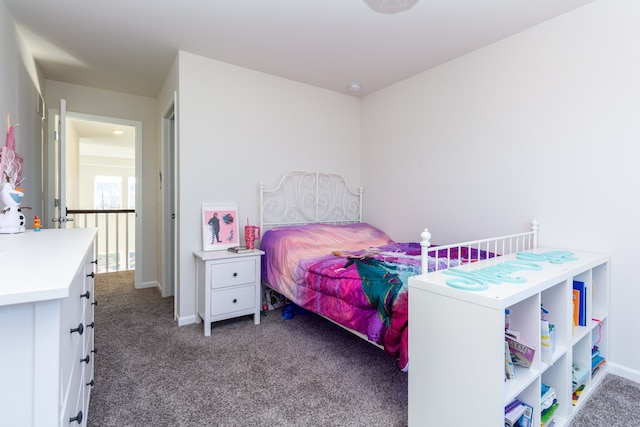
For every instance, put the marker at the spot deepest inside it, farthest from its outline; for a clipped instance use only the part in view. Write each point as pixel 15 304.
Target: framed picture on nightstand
pixel 219 226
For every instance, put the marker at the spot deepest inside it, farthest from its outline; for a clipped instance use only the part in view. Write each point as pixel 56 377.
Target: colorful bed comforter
pixel 352 274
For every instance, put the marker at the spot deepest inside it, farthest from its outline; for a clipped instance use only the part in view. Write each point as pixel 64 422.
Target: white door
pixel 59 176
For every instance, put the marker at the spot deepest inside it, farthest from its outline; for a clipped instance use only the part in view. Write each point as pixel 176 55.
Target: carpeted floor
pixel 300 372
pixel 615 403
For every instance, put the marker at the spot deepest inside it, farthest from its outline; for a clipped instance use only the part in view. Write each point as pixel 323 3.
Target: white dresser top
pixel 37 266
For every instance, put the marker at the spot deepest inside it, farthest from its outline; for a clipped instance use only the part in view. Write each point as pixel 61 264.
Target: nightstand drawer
pixel 233 299
pixel 233 273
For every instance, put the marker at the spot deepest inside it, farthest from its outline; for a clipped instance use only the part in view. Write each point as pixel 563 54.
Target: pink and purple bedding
pixel 352 274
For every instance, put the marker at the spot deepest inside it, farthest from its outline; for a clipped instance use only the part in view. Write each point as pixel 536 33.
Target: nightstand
pixel 228 285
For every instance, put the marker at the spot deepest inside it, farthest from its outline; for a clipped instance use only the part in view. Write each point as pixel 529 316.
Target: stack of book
pixel 548 405
pixel 578 376
pixel 596 360
pixel 518 414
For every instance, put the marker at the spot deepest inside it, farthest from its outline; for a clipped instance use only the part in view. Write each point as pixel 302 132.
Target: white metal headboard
pixel 304 197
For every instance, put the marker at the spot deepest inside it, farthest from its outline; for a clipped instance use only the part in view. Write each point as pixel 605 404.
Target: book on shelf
pixel 596 360
pixel 582 302
pixel 509 371
pixel 513 334
pixel 547 341
pixel 548 404
pixel 513 415
pixel 576 394
pixel 521 353
pixel 576 310
pixel 546 417
pixel 547 396
pixel 511 405
pixel 239 249
pixel 518 414
pixel 578 375
pixel 526 419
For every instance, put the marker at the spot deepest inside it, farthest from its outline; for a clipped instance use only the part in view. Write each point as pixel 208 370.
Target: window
pixel 107 192
pixel 131 188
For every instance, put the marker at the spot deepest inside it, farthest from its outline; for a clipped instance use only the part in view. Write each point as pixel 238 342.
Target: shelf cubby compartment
pixel 599 337
pixel 599 295
pixel 582 357
pixel 558 378
pixel 531 396
pixel 554 300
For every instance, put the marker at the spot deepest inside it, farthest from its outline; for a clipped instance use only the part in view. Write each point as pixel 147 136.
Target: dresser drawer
pixel 72 311
pixel 230 300
pixel 72 405
pixel 233 273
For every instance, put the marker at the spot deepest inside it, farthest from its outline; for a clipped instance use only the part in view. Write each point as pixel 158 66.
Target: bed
pixel 321 256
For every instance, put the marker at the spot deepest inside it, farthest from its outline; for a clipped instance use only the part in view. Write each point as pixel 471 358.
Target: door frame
pixel 168 183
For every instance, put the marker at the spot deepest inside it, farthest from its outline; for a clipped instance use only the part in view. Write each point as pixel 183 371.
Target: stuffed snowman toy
pixel 12 220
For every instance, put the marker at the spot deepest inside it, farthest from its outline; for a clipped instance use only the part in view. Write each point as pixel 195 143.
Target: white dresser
pixel 228 285
pixel 46 327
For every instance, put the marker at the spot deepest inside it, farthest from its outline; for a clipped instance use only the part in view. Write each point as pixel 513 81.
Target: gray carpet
pixel 299 372
pixel 615 403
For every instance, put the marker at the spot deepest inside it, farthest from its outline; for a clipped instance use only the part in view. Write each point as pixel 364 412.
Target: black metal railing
pixel 115 240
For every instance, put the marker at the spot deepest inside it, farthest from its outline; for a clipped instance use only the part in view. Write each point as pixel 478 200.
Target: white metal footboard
pixel 502 245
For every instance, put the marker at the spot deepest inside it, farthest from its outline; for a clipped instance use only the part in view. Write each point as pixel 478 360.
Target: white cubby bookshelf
pixel 456 339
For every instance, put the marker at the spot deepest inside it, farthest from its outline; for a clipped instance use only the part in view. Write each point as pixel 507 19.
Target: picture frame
pixel 220 229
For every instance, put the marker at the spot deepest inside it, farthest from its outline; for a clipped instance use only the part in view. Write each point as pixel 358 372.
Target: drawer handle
pixel 77 418
pixel 92 275
pixel 79 329
pixel 86 360
pixel 95 261
pixel 91 325
pixel 91 383
pixel 235 274
pixel 235 300
pixel 86 295
pixel 94 303
pixel 94 351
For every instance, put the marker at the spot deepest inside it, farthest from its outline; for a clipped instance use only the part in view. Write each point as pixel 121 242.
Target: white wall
pixel 543 124
pixel 86 100
pixel 20 83
pixel 239 127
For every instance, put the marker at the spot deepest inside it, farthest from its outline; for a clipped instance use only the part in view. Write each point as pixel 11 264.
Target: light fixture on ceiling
pixel 390 6
pixel 117 132
pixel 354 87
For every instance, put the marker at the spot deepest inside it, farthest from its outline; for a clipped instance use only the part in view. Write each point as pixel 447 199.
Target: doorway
pixel 102 172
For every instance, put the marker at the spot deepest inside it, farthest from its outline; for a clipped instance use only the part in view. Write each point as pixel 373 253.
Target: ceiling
pixel 129 45
pixel 99 140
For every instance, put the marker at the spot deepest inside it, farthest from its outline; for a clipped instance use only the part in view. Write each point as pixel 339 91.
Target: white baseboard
pixel 145 285
pixel 187 320
pixel 624 372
